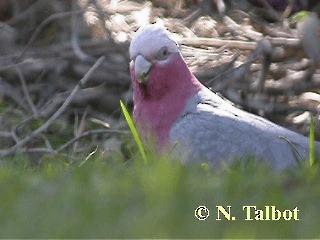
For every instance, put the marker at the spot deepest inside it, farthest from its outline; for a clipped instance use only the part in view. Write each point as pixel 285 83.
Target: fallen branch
pixel 87 133
pixel 26 93
pixel 236 44
pixel 57 114
pixel 241 30
pixel 217 42
pixel 42 25
pixel 75 139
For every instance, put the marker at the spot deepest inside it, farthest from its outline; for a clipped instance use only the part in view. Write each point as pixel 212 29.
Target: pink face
pixel 163 78
pixel 162 82
pixel 159 100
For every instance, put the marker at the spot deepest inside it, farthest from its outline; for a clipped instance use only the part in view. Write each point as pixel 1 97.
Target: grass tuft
pixel 312 143
pixel 134 132
pixel 110 199
pixel 299 16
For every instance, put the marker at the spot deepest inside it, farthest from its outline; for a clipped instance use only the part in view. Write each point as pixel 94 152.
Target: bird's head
pixel 152 45
pixel 157 65
pixel 161 79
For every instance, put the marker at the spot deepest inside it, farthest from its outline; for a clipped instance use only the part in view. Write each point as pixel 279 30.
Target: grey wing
pixel 215 131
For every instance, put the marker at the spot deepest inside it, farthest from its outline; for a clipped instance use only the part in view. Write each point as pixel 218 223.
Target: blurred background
pixel 263 55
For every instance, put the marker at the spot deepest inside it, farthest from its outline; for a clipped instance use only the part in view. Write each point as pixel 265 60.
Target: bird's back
pixel 211 129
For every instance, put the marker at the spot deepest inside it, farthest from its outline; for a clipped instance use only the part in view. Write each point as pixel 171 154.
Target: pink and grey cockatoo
pixel 171 103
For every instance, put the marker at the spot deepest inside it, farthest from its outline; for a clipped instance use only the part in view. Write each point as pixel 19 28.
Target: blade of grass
pixel 299 16
pixel 312 144
pixel 134 131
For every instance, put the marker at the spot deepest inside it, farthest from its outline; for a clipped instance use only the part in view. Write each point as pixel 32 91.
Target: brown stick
pixel 217 42
pixel 56 115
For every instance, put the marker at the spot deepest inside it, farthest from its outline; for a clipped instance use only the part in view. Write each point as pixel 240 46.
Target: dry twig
pixel 56 115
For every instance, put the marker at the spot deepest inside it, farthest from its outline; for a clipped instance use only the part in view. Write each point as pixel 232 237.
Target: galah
pixel 171 104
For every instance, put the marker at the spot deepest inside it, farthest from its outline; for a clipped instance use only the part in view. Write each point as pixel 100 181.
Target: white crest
pixel 150 39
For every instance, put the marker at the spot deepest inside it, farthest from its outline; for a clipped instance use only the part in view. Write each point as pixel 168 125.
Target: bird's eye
pixel 163 53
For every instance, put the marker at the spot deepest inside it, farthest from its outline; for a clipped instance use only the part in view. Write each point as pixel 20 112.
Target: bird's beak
pixel 141 69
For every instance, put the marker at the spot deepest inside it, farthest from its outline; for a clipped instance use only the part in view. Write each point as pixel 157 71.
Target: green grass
pixel 299 16
pixel 312 142
pixel 134 131
pixel 115 199
pixel 96 196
